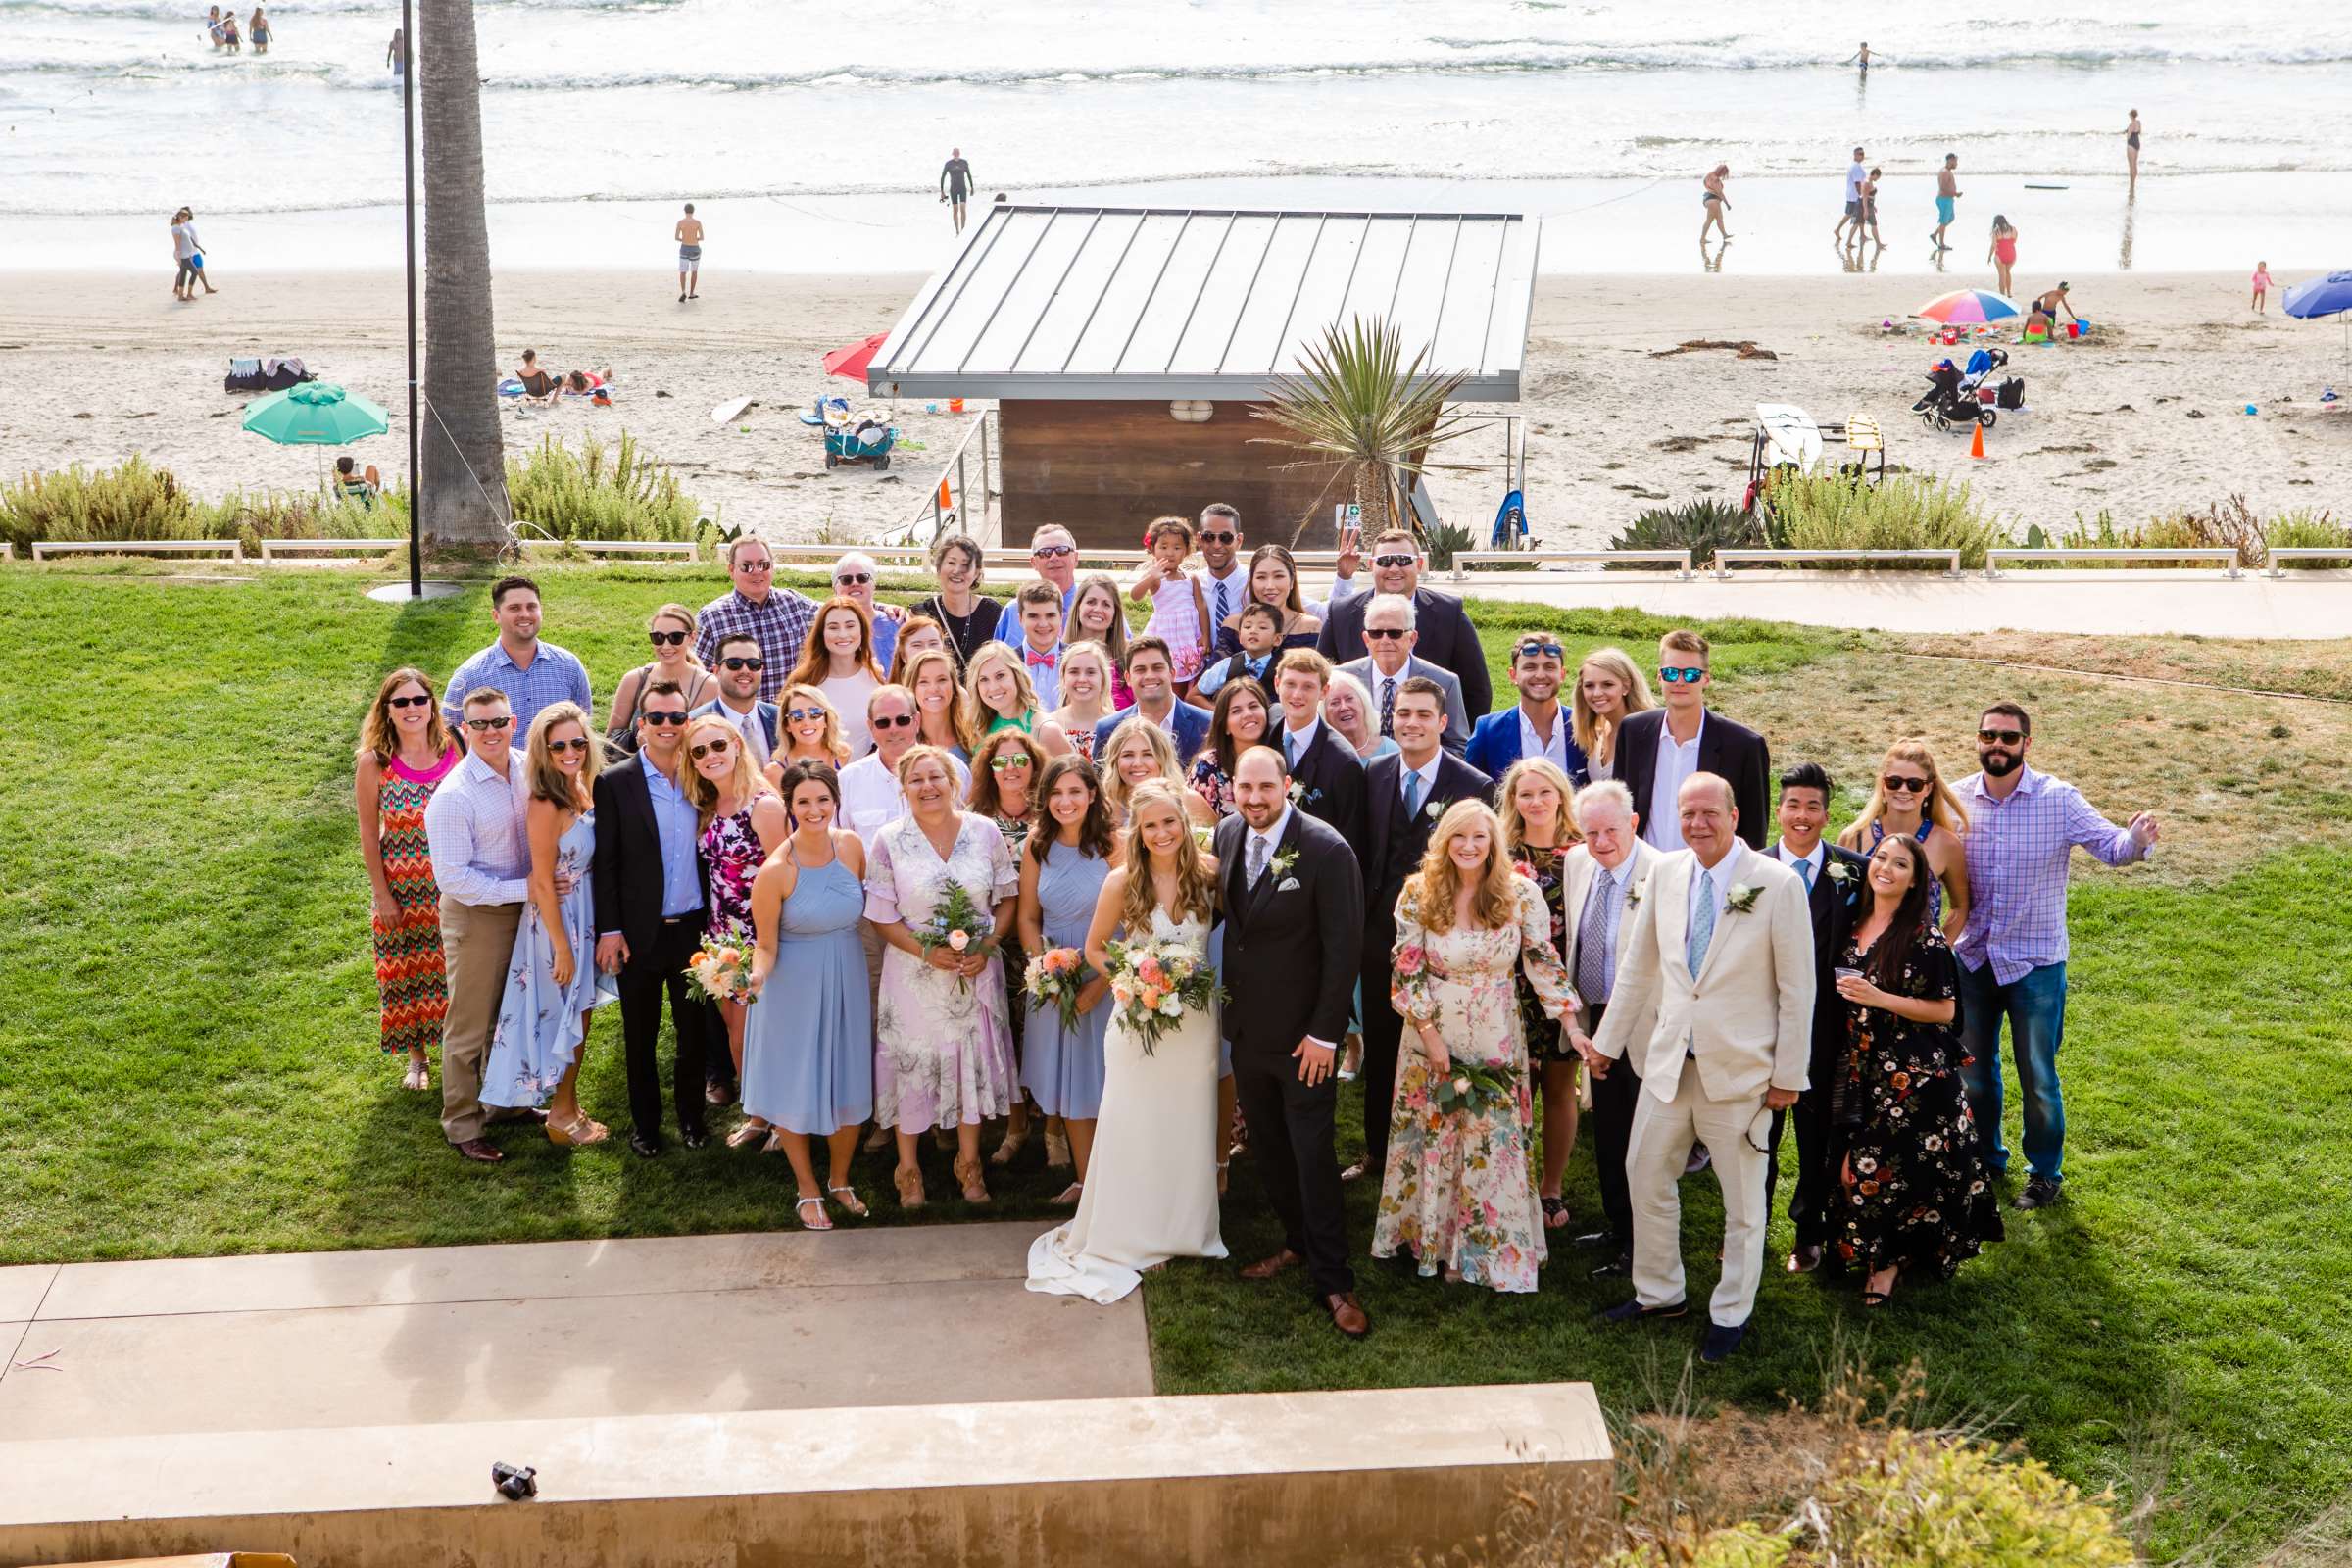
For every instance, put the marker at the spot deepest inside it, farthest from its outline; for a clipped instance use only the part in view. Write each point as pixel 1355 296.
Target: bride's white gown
pixel 1152 1183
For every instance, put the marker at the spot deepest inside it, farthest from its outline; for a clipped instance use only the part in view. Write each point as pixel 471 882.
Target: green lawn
pixel 190 1025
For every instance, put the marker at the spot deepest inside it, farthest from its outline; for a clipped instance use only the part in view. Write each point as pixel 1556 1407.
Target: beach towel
pixel 265 375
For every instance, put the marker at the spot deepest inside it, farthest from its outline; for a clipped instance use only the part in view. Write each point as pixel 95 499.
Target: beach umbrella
pixel 1968 306
pixel 2324 296
pixel 852 359
pixel 315 413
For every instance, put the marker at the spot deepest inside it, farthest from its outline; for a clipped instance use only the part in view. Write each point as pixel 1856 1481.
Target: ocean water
pixel 830 117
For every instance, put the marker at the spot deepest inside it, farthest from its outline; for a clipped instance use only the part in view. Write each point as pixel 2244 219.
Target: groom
pixel 1293 921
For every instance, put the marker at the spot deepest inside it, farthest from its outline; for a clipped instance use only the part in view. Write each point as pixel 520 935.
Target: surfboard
pixel 2029 186
pixel 729 412
pixel 1791 436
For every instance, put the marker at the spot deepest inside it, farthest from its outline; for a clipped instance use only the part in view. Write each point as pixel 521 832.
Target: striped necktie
pixel 1702 923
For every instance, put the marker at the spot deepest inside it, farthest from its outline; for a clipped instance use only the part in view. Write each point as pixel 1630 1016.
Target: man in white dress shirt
pixel 1721 954
pixel 1391 633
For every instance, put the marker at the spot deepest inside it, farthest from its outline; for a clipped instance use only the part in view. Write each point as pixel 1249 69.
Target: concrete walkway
pixel 699 1325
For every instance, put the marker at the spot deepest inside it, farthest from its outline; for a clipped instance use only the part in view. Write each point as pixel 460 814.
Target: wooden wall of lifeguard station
pixel 1104 470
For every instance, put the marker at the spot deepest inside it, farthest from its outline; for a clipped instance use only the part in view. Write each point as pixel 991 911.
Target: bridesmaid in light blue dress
pixel 809 1036
pixel 1064 866
pixel 552 981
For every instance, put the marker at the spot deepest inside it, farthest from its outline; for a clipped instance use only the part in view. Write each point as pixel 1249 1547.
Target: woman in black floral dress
pixel 1538 833
pixel 1915 1197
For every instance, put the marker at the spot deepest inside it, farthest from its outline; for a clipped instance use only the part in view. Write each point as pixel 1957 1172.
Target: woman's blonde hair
pixel 380 739
pixel 744 780
pixel 1514 825
pixel 1495 904
pixel 1941 806
pixel 921 751
pixel 678 613
pixel 1195 867
pixel 835 746
pixel 1341 680
pixel 1089 648
pixel 546 780
pixel 985 795
pixel 913 672
pixel 1613 661
pixel 816 659
pixel 972 715
pixel 1115 788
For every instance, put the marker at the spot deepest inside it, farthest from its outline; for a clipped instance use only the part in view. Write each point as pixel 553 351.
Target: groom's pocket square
pixel 1289 884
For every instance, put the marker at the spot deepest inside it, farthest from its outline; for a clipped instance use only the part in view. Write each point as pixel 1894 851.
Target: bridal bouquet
pixel 722 969
pixel 958 924
pixel 1058 975
pixel 1472 1087
pixel 1156 983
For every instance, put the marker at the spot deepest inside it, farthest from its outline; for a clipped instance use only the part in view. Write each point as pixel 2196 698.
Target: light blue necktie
pixel 1413 793
pixel 1702 923
pixel 1804 868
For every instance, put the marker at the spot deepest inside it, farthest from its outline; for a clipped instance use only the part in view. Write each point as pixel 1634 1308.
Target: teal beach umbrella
pixel 315 413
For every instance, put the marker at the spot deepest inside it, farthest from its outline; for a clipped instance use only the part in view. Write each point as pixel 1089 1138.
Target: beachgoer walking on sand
pixel 689 235
pixel 1856 178
pixel 258 30
pixel 188 252
pixel 955 183
pixel 1716 201
pixel 2132 150
pixel 396 53
pixel 1869 207
pixel 2003 254
pixel 1947 194
pixel 2262 287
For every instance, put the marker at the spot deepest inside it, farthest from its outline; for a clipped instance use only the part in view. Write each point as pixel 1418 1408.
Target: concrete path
pixel 698 1325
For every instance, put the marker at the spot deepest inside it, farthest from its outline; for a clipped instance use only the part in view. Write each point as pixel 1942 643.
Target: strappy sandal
pixel 1058 1149
pixel 968 1177
pixel 752 1130
pixel 1224 1171
pixel 909 1184
pixel 1556 1212
pixel 1873 1299
pixel 822 1222
pixel 1013 1144
pixel 419 1076
pixel 1068 1196
pixel 577 1133
pixel 847 1197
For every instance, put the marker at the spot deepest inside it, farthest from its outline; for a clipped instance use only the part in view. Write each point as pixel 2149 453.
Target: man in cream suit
pixel 1720 952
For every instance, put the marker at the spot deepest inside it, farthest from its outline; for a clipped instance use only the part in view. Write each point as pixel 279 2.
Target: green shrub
pixel 1923 1501
pixel 1445 541
pixel 294 515
pixel 2305 529
pixel 1904 511
pixel 1699 526
pixel 74 504
pixel 598 492
pixel 2229 524
pixel 1733 1547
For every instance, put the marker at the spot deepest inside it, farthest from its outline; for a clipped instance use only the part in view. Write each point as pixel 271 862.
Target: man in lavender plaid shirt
pixel 2022 830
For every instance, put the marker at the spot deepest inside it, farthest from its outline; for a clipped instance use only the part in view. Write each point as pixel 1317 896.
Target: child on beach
pixel 258 31
pixel 228 33
pixel 2262 287
pixel 211 27
pixel 1869 207
pixel 1179 613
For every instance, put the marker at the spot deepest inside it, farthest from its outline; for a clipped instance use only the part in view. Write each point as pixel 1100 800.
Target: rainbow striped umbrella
pixel 1968 307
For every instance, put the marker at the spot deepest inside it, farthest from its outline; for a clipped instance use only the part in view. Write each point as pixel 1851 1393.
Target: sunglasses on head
pixel 478 725
pixel 1393 561
pixel 710 748
pixel 1380 634
pixel 892 721
pixel 1907 786
pixel 1054 550
pixel 852 579
pixel 2000 737
pixel 660 718
pixel 1225 538
pixel 1003 760
pixel 1540 650
pixel 793 716
pixel 672 638
pixel 1675 675
pixel 410 702
pixel 745 664
pixel 578 743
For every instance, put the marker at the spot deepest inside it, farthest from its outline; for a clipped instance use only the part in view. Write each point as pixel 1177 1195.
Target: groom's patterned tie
pixel 1702 923
pixel 1258 858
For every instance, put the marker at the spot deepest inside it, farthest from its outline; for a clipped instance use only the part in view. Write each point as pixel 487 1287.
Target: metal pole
pixel 408 191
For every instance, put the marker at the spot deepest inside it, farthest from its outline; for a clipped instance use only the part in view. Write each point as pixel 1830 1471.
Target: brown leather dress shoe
pixel 479 1149
pixel 1265 1268
pixel 1348 1315
pixel 1804 1259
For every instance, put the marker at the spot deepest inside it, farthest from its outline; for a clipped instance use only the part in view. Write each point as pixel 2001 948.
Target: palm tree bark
pixel 464 489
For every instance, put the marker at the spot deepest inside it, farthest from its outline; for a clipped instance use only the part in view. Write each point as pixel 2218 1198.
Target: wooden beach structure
pixel 1126 347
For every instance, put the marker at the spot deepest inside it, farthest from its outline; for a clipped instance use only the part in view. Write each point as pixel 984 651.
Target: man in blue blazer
pixel 737 664
pixel 1536 725
pixel 1152 676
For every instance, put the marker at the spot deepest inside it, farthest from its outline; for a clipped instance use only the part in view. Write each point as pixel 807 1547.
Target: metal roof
pixel 1128 302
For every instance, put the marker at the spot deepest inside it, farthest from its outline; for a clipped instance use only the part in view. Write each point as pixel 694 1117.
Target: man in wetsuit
pixel 955 184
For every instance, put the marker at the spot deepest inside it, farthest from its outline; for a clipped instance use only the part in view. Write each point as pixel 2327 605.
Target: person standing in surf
pixel 689 235
pixel 2131 151
pixel 955 184
pixel 1716 201
pixel 396 53
pixel 1855 177
pixel 1947 195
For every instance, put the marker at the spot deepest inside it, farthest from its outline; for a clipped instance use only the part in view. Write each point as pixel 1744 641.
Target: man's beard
pixel 2000 764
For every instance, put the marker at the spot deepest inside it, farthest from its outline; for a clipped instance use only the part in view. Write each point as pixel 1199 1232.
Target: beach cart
pixel 1789 440
pixel 864 437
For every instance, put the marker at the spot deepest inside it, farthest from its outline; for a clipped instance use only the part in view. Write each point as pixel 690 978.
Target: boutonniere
pixel 1433 810
pixel 1301 796
pixel 1845 879
pixel 1742 898
pixel 1633 894
pixel 1281 864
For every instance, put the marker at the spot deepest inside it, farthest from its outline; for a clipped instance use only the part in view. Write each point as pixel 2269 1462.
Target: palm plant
pixel 463 454
pixel 1358 405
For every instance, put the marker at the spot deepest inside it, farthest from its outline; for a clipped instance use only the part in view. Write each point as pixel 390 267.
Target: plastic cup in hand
pixel 1848 974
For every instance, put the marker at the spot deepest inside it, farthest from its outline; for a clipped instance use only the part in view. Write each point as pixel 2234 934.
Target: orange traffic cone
pixel 946 501
pixel 1976 445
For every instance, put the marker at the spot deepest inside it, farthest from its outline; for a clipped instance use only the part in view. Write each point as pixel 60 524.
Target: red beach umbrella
pixel 852 359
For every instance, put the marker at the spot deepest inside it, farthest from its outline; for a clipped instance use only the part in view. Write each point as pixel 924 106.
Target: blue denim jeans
pixel 2035 1004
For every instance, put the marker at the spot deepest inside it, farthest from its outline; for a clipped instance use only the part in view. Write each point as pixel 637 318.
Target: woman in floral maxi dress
pixel 1458 1192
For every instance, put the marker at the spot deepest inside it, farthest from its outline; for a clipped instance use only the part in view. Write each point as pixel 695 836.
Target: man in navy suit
pixel 1446 637
pixel 737 664
pixel 1659 748
pixel 1327 776
pixel 1536 726
pixel 1152 676
pixel 1405 792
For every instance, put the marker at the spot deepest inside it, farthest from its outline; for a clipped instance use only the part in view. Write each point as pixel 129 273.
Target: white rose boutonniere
pixel 1282 863
pixel 1433 810
pixel 1303 797
pixel 1742 897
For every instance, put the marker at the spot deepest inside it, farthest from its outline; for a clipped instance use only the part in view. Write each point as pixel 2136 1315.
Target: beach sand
pixel 2145 416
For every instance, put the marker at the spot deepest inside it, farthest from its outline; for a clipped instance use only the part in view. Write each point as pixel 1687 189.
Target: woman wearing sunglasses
pixel 1005 775
pixel 810 732
pixel 671 632
pixel 406 751
pixel 1911 800
pixel 741 820
pixel 552 981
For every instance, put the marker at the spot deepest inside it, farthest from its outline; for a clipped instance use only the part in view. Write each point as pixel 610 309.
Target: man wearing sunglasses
pixel 1660 748
pixel 2022 830
pixel 1392 632
pixel 1226 582
pixel 531 673
pixel 1720 953
pixel 481 857
pixel 854 577
pixel 1446 639
pixel 740 670
pixel 1053 556
pixel 778 616
pixel 649 915
pixel 1536 726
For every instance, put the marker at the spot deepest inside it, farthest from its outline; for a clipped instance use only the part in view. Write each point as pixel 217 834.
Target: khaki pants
pixel 477 942
pixel 1662 1134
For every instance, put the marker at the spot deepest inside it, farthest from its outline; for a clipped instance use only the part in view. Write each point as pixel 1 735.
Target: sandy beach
pixel 2146 415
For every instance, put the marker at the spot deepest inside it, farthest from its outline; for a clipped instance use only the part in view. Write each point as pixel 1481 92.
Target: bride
pixel 1151 1188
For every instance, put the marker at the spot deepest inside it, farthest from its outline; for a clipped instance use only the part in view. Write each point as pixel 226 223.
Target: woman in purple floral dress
pixel 741 819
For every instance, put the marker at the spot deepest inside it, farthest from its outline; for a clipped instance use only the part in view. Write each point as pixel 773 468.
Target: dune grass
pixel 190 1037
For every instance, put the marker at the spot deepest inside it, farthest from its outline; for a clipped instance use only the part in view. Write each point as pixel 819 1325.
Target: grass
pixel 190 1028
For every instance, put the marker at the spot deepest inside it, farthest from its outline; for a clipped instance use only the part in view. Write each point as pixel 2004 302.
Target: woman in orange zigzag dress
pixel 405 751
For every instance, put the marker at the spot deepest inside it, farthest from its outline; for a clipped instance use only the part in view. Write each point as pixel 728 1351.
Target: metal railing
pixel 966 512
pixel 274 549
pixel 1679 560
pixel 1726 559
pixel 43 549
pixel 2221 553
pixel 2278 553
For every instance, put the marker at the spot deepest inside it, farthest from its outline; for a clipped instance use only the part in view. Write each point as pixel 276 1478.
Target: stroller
pixel 1957 399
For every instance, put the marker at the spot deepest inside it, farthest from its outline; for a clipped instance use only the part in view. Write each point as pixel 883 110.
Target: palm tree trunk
pixel 465 456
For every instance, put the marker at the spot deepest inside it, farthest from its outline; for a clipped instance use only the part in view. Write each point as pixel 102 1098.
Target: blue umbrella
pixel 2325 296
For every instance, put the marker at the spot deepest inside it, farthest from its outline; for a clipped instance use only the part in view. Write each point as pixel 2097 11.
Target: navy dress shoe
pixel 1634 1312
pixel 1717 1347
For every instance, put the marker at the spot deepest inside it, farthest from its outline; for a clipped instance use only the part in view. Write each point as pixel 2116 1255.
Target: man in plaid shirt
pixel 2022 830
pixel 776 617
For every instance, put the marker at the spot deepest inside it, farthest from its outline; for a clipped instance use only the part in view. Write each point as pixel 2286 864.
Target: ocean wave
pixel 159 11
